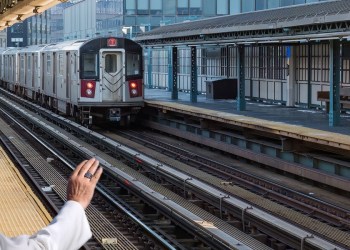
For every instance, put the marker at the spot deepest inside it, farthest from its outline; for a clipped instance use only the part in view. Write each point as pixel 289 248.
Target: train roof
pixel 33 48
pixel 66 45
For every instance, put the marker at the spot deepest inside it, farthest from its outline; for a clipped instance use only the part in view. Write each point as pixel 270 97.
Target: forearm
pixel 69 230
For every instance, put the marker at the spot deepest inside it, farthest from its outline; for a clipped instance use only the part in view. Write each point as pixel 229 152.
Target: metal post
pixel 334 80
pixel 170 70
pixel 149 68
pixel 194 75
pixel 174 93
pixel 309 75
pixel 241 79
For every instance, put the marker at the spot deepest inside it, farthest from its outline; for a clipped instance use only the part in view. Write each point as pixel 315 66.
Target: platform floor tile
pixel 21 212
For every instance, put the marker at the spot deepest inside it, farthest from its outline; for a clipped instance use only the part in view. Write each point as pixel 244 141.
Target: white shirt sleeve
pixel 69 230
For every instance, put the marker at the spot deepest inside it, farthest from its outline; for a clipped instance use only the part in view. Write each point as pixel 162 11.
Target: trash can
pixel 222 89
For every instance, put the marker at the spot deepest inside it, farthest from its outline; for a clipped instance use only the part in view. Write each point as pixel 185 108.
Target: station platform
pixel 302 124
pixel 21 211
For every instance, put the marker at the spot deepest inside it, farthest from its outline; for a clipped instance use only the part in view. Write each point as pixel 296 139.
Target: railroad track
pixel 201 236
pixel 110 227
pixel 114 148
pixel 323 211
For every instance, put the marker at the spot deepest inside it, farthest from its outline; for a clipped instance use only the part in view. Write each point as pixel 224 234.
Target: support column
pixel 194 75
pixel 170 70
pixel 149 68
pixel 309 75
pixel 291 76
pixel 334 81
pixel 174 92
pixel 241 104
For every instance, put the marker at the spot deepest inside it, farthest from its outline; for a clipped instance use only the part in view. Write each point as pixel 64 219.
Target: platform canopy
pixel 296 24
pixel 14 11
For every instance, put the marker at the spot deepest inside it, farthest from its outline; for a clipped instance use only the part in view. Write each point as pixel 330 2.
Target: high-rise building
pixel 34 30
pixel 90 18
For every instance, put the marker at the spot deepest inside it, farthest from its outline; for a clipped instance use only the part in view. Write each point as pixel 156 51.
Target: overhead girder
pixel 14 11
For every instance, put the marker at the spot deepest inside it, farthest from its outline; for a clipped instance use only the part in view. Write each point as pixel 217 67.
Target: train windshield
pixel 133 64
pixel 90 66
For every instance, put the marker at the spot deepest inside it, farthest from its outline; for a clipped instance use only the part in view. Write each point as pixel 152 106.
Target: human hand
pixel 81 186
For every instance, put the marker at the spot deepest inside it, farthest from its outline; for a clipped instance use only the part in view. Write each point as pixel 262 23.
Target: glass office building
pixel 158 12
pixel 110 16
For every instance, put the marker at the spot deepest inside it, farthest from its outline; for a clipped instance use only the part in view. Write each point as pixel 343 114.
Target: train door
pixel 112 75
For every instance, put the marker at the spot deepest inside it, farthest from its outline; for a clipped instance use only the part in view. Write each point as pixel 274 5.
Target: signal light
pixel 88 88
pixel 135 88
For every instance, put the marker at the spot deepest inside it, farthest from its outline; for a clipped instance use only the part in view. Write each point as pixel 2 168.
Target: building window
pixel 248 5
pixel 142 7
pixel 169 7
pixel 209 8
pixel 261 4
pixel 156 7
pixel 235 6
pixel 182 7
pixel 222 7
pixel 195 7
pixel 130 7
pixel 273 4
pixel 286 2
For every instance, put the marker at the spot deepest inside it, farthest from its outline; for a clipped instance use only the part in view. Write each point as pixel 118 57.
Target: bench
pixel 344 94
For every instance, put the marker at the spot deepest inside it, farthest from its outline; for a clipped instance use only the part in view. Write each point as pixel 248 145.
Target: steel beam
pixel 174 92
pixel 194 75
pixel 241 104
pixel 149 67
pixel 334 80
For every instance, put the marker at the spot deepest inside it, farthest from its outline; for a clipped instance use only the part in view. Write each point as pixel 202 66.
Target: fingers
pixel 97 175
pixel 86 166
pixel 78 168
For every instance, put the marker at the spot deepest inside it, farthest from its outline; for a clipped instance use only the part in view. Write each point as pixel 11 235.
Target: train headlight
pixel 134 92
pixel 89 92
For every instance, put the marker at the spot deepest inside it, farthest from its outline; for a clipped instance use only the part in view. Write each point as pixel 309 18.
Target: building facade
pixel 34 30
pixel 89 18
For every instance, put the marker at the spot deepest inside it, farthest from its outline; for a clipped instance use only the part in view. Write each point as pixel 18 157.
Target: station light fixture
pixel 18 11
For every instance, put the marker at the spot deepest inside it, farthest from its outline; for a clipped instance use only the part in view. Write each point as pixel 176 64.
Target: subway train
pixel 99 79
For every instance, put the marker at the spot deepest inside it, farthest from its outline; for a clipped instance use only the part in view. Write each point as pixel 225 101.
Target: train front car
pixel 111 80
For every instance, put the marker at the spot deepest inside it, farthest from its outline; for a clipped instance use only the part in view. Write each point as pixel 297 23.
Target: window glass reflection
pixel 248 5
pixel 261 4
pixel 209 8
pixel 273 4
pixel 182 7
pixel 130 7
pixel 156 7
pixel 195 7
pixel 222 7
pixel 169 7
pixel 235 6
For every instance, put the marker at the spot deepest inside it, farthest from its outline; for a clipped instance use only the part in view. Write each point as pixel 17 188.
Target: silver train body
pixel 96 79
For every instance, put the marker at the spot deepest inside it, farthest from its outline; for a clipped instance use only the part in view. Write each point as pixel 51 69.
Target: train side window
pixel 29 66
pixel 48 64
pixel 133 64
pixel 90 64
pixel 60 64
pixel 111 63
